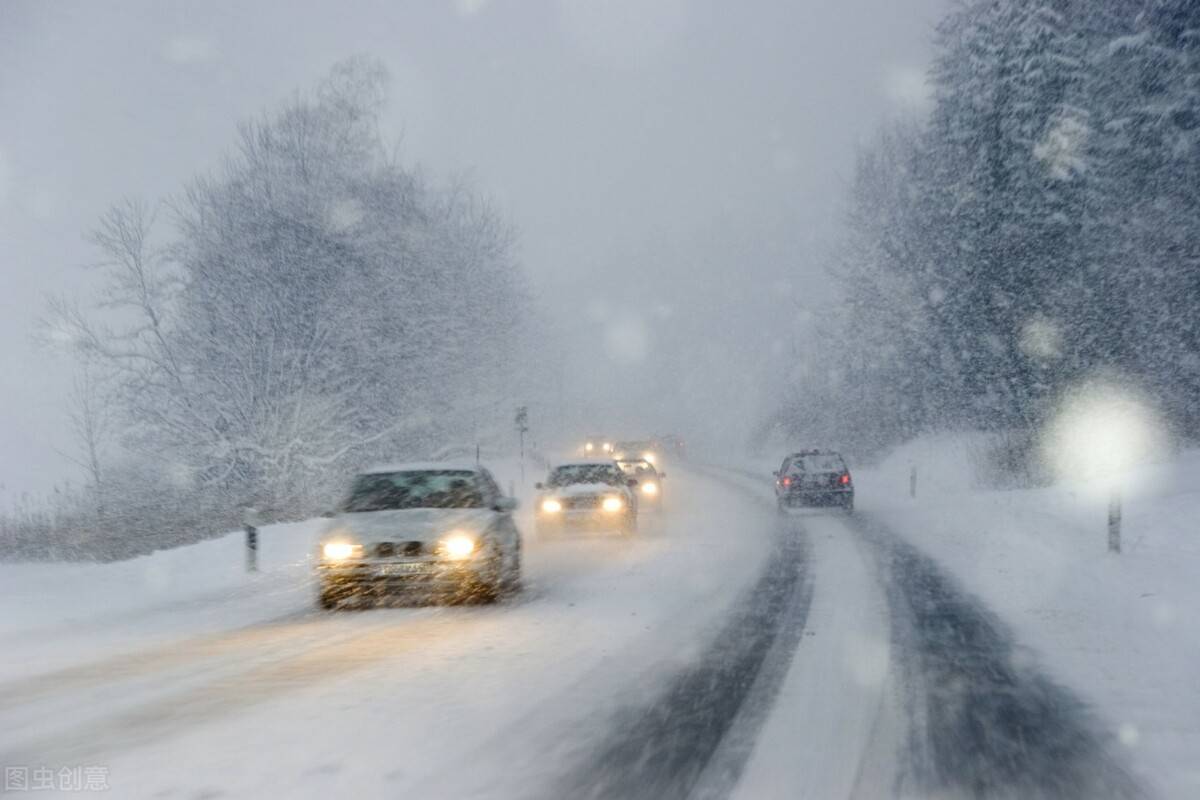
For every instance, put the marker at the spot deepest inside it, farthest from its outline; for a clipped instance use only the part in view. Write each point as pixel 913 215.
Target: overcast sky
pixel 647 150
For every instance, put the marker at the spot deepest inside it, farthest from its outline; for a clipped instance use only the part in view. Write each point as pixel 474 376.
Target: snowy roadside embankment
pixel 163 595
pixel 1119 629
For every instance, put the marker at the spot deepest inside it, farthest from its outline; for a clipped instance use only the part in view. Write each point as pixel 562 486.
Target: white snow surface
pixel 1119 630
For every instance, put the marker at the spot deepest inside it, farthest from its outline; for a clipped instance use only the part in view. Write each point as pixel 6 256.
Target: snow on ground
pixel 1121 630
pixel 839 684
pixel 49 612
pixel 183 676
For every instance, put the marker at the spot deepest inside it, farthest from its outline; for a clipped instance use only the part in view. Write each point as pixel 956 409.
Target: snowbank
pixel 1119 629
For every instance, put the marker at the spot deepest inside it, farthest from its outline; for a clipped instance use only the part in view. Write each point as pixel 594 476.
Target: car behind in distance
pixel 650 482
pixel 814 478
pixel 645 449
pixel 596 447
pixel 586 494
pixel 435 528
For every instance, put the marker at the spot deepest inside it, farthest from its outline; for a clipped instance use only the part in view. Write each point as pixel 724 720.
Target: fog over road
pixel 727 651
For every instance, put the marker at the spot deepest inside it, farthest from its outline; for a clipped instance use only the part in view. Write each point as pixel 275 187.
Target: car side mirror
pixel 631 482
pixel 506 504
pixel 775 472
pixel 662 475
pixel 539 485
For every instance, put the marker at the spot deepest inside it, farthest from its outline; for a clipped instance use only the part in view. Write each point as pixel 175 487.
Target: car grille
pixel 393 549
pixel 584 502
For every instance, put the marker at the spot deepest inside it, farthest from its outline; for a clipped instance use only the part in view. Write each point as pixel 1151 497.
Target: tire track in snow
pixel 984 721
pixel 662 750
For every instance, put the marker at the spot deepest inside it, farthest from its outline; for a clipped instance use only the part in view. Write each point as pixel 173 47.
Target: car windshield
pixel 636 467
pixel 819 463
pixel 569 474
pixel 418 489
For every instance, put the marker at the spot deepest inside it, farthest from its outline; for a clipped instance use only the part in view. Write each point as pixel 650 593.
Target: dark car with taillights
pixel 814 478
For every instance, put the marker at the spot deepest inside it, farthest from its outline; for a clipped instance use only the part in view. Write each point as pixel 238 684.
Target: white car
pixel 433 528
pixel 587 495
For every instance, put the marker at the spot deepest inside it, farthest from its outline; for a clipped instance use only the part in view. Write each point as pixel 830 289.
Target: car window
pixel 569 474
pixel 416 489
pixel 490 487
pixel 821 462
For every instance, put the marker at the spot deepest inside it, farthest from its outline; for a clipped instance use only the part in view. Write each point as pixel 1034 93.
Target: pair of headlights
pixel 611 504
pixel 456 546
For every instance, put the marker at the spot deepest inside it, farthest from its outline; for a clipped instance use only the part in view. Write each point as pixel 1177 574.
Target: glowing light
pixel 1100 431
pixel 551 506
pixel 458 545
pixel 650 457
pixel 340 551
pixel 612 504
pixel 650 488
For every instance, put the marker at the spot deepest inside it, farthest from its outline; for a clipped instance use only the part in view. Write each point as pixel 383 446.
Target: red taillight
pixel 845 479
pixel 786 481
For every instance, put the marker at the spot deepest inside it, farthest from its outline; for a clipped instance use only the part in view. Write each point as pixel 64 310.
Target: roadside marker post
pixel 250 523
pixel 1114 521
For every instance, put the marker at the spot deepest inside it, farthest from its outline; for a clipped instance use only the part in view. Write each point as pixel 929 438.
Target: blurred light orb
pixel 345 213
pixel 1041 338
pixel 1129 734
pixel 1101 430
pixel 627 340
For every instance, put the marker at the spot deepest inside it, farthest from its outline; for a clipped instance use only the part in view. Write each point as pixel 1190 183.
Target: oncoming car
pixel 645 449
pixel 814 478
pixel 587 494
pixel 596 447
pixel 434 528
pixel 650 486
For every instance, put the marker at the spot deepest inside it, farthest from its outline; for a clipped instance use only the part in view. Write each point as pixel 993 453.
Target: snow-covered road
pixel 726 651
pixel 247 693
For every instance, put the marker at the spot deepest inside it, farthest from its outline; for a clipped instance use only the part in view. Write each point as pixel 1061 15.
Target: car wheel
pixel 489 581
pixel 630 526
pixel 512 582
pixel 849 505
pixel 328 597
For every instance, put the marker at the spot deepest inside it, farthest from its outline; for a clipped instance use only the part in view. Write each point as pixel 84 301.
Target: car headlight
pixel 650 488
pixel 612 504
pixel 650 457
pixel 589 447
pixel 551 506
pixel 608 447
pixel 458 546
pixel 341 551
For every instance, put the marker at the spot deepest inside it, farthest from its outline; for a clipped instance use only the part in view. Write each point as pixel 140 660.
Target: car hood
pixel 584 490
pixel 409 524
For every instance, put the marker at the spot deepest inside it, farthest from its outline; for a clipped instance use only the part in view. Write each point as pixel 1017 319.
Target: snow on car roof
pixel 588 462
pixel 422 466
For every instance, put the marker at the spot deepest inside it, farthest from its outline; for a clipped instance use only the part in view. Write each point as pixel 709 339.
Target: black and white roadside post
pixel 912 482
pixel 250 523
pixel 522 428
pixel 1114 520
